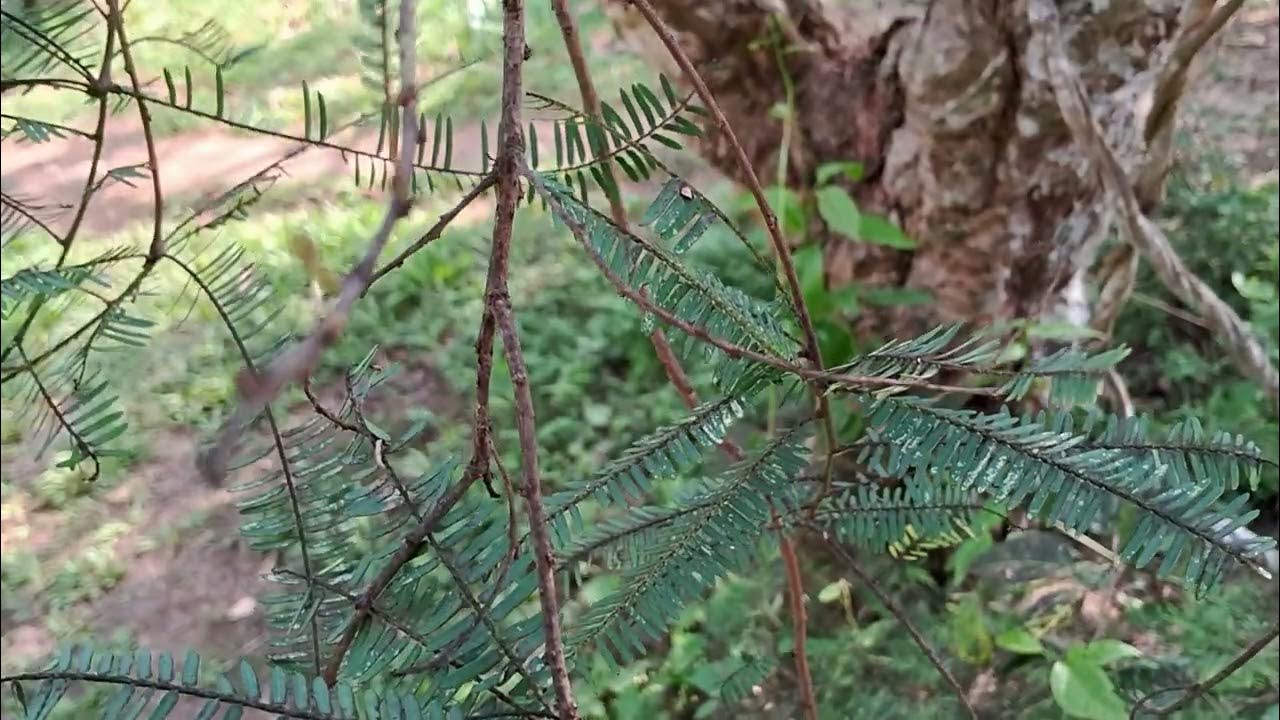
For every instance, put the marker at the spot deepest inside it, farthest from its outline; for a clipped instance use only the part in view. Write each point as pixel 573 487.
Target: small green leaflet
pixel 843 216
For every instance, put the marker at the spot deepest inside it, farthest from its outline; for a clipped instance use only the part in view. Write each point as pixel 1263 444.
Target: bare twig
pixel 144 114
pixel 892 605
pixel 799 621
pixel 428 237
pixel 325 412
pixel 507 166
pixel 395 623
pixel 1196 690
pixel 780 248
pixel 1138 230
pixel 99 142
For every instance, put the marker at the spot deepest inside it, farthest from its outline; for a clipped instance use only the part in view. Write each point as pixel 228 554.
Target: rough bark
pixel 947 106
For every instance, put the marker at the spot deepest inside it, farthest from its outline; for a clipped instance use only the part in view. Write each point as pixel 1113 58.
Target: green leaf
pixel 1103 652
pixel 839 211
pixel 852 170
pixel 842 215
pixel 1083 690
pixel 250 680
pixel 880 231
pixel 377 431
pixel 1019 640
pixel 306 110
pixel 220 98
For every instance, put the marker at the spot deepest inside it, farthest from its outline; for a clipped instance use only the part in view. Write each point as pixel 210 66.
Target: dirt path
pixel 193 166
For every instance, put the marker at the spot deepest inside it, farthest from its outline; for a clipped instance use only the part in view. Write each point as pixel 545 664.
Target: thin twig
pixel 508 165
pixel 1138 230
pixel 799 620
pixel 144 114
pixel 1196 690
pixel 422 641
pixel 592 108
pixel 428 237
pixel 892 605
pixel 409 547
pixel 30 214
pixel 780 248
pixel 100 141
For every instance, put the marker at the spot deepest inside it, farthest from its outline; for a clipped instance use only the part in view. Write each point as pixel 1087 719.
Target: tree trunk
pixel 949 107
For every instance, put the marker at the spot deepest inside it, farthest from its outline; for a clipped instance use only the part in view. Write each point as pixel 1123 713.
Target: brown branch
pixel 99 138
pixel 408 550
pixel 590 99
pixel 144 114
pixel 1138 230
pixel 507 166
pixel 325 412
pixel 799 621
pixel 1196 690
pixel 396 624
pixel 892 605
pixel 780 248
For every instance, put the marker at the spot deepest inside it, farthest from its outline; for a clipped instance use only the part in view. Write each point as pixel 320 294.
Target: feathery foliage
pixel 416 596
pixel 1063 481
pixel 888 517
pixel 715 533
pixel 143 680
pixel 627 144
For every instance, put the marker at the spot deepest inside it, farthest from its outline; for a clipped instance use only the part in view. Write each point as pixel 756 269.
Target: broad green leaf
pixel 1083 690
pixel 839 211
pixel 1019 640
pixel 880 231
pixel 1103 652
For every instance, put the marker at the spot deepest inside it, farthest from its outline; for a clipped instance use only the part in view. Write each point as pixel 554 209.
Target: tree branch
pixel 780 248
pixel 1250 356
pixel 257 389
pixel 1196 690
pixel 508 165
pixel 144 114
pixel 892 605
pixel 799 620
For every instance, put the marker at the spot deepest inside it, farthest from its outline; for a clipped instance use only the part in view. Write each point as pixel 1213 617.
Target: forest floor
pixel 188 580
